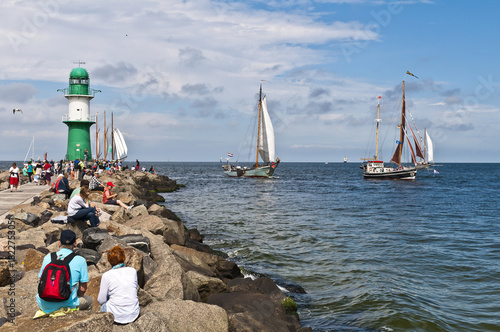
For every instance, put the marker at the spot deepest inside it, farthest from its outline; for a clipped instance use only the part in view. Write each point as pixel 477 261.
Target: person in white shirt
pixel 118 292
pixel 14 176
pixel 79 209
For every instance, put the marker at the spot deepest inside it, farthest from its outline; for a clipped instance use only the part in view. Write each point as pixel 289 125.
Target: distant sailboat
pixel 375 169
pixel 265 148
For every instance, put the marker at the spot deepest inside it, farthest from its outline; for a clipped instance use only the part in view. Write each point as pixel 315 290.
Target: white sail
pixel 121 147
pixel 266 141
pixel 430 148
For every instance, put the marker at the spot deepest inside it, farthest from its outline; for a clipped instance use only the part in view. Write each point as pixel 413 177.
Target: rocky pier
pixel 183 284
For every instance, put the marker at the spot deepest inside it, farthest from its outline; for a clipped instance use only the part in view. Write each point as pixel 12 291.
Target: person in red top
pixel 48 175
pixel 108 198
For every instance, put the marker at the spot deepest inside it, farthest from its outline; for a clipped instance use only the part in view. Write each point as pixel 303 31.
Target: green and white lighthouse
pixel 79 119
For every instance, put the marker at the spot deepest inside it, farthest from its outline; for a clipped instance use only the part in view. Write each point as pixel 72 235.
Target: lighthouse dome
pixel 79 73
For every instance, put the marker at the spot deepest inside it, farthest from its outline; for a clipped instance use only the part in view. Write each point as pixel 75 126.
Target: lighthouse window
pixel 85 81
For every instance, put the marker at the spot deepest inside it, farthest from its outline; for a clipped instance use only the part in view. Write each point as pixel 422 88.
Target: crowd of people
pixel 42 173
pixel 118 289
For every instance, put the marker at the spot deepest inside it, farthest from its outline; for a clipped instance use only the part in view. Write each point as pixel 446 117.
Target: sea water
pixel 372 255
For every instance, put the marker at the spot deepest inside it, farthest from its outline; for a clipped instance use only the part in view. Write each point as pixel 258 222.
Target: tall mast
pixel 112 139
pixel 96 136
pixel 378 123
pixel 403 121
pixel 258 126
pixel 105 139
pixel 396 157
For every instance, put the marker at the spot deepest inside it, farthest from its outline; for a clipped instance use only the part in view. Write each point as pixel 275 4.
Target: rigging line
pixel 415 125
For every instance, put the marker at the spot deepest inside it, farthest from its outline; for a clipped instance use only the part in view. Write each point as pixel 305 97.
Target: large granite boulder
pixel 4 273
pixel 252 312
pixel 33 260
pixel 200 262
pixel 174 232
pixel 206 285
pixel 137 241
pixel 93 237
pixel 91 256
pixel 182 316
pixel 153 224
pixel 163 212
pixel 147 322
pixel 75 321
pixel 28 218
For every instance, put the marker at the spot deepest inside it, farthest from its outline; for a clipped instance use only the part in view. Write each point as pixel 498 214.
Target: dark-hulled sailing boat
pixel 375 169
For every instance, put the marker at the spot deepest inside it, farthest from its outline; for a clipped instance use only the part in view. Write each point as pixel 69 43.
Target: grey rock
pixel 137 241
pixel 90 255
pixel 28 218
pixel 93 237
pixel 182 316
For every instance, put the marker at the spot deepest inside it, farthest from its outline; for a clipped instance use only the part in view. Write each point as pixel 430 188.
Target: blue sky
pixel 182 77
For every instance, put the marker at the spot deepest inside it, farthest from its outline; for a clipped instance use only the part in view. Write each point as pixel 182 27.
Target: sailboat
pixel 265 148
pixel 120 145
pixel 428 154
pixel 375 169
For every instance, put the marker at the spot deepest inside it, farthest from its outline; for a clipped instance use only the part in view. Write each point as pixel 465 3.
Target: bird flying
pixel 17 110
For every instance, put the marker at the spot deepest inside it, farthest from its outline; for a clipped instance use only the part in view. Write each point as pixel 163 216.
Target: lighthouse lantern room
pixel 78 118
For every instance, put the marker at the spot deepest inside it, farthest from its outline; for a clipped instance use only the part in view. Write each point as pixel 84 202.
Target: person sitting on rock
pixel 80 209
pixel 63 186
pixel 95 184
pixel 107 197
pixel 79 277
pixel 83 183
pixel 118 291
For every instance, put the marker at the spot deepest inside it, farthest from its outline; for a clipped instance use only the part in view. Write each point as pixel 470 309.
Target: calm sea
pixel 372 255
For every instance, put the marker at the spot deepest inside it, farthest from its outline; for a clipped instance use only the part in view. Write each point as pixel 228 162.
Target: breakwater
pixel 184 284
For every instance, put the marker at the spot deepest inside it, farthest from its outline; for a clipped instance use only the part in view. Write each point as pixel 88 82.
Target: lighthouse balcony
pixel 90 118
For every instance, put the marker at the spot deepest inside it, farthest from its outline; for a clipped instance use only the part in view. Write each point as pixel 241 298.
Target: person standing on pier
pixel 14 176
pixel 30 171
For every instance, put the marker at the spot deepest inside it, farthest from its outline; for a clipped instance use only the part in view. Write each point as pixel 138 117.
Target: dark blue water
pixel 373 255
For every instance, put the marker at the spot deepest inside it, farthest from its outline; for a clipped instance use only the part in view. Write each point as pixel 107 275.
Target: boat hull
pixel 259 172
pixel 402 174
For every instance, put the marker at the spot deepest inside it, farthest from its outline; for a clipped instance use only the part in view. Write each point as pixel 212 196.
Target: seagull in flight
pixel 17 110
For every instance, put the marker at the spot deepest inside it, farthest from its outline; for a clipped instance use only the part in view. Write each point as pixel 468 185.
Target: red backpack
pixel 54 283
pixel 55 186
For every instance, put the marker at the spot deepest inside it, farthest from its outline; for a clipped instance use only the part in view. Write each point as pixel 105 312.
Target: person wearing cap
pixel 63 186
pixel 108 198
pixel 78 280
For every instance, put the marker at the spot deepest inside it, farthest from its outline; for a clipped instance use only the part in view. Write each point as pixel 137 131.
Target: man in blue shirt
pixel 78 280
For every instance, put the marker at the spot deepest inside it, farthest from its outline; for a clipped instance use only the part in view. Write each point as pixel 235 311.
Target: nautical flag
pixel 229 155
pixel 411 74
pixel 436 172
pixel 398 142
pixel 379 97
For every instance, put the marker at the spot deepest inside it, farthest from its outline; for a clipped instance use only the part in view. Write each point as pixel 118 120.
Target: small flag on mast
pixel 229 155
pixel 411 74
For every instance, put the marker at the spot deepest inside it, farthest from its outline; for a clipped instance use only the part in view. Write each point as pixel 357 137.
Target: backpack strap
pixel 68 258
pixel 53 257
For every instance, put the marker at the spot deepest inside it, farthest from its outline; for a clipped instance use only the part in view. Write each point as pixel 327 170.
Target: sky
pixel 182 77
